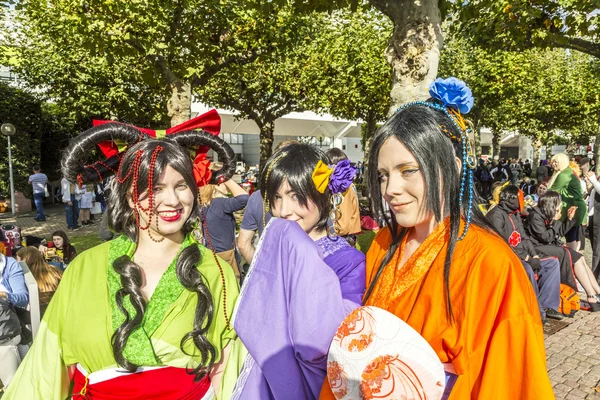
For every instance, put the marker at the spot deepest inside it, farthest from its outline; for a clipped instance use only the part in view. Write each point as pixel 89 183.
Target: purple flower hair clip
pixel 342 177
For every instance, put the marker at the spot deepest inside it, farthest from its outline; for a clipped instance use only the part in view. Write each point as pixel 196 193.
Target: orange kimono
pixel 496 343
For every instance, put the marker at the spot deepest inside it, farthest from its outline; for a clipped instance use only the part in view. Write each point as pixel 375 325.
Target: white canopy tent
pixel 305 123
pixel 327 130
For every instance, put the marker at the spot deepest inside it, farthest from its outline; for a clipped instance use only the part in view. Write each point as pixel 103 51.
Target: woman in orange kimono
pixel 438 264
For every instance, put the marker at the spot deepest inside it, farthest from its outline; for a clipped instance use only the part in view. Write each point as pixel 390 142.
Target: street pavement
pixel 55 220
pixel 572 347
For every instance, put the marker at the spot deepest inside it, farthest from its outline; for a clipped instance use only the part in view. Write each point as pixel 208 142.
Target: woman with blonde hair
pixel 47 276
pixel 567 184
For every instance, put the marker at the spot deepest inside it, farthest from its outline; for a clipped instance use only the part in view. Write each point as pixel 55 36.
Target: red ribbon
pixel 209 121
pixel 202 172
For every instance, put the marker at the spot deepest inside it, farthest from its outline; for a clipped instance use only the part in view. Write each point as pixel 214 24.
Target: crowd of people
pixel 546 224
pixel 166 309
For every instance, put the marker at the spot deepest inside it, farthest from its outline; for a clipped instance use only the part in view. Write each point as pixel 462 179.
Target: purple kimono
pixel 288 311
pixel 348 264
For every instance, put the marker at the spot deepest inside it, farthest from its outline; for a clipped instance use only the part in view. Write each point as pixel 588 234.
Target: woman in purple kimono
pixel 300 186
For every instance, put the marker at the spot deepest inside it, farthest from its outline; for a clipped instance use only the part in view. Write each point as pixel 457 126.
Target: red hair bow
pixel 209 121
pixel 202 171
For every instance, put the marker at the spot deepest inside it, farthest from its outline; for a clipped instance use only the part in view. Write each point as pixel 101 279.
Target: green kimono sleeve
pixel 561 183
pixel 43 373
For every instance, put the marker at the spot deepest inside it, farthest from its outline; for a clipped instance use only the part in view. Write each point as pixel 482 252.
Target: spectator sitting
pixel 10 337
pixel 545 230
pixel 12 282
pixel 46 276
pixel 528 186
pixel 500 172
pixel 218 220
pixel 64 252
pixel 506 218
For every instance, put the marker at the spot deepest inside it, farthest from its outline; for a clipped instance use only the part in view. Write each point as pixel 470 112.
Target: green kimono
pixel 567 184
pixel 82 317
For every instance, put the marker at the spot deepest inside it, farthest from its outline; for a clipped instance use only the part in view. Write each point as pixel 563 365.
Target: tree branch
pixel 159 62
pixel 209 72
pixel 582 45
pixel 176 20
pixel 390 8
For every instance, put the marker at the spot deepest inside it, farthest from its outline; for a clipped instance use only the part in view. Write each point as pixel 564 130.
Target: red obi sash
pixel 168 383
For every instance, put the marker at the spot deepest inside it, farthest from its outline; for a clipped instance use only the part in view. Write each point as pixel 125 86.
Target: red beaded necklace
pixel 137 206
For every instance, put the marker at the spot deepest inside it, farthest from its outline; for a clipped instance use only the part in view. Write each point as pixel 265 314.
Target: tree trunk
pixel 371 127
pixel 597 150
pixel 477 142
pixel 537 153
pixel 179 106
pixel 266 141
pixel 496 144
pixel 548 151
pixel 414 48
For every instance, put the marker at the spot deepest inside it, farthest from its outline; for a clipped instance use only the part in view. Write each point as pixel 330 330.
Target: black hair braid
pixel 74 156
pixel 194 138
pixel 192 280
pixel 131 281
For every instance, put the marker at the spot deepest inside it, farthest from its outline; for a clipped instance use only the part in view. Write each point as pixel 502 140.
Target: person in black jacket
pixel 506 218
pixel 545 230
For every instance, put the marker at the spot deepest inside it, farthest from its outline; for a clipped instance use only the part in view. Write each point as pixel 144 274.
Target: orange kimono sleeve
pixel 504 336
pixel 514 365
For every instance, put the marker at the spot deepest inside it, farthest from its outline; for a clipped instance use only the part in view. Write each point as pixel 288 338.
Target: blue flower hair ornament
pixel 452 93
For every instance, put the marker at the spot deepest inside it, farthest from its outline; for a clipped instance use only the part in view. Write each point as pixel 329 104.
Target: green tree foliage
pixel 135 55
pixel 271 86
pixel 25 113
pixel 537 92
pixel 350 81
pixel 413 46
pixel 518 24
pixel 522 24
pixel 319 71
pixel 346 74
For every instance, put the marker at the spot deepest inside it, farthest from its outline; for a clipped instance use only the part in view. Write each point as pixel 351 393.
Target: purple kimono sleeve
pixel 288 312
pixel 350 267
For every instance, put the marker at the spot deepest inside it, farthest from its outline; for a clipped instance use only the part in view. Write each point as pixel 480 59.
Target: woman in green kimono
pixel 568 185
pixel 152 301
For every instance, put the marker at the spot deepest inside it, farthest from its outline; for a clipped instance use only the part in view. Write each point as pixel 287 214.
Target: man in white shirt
pixel 71 198
pixel 38 181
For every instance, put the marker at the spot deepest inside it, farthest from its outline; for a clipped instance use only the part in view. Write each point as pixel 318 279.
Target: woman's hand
pixel 4 295
pixel 571 212
pixel 42 249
